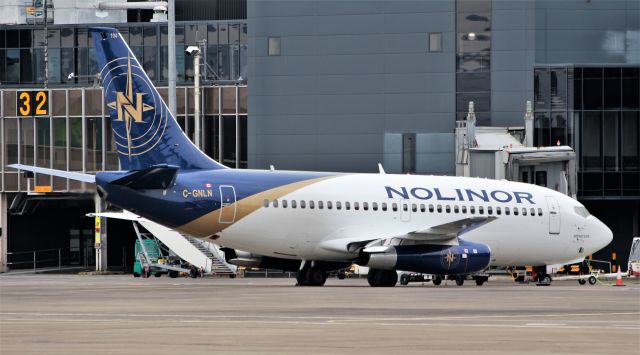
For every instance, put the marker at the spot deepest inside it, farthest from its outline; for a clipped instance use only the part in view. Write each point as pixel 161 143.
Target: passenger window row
pixel 374 206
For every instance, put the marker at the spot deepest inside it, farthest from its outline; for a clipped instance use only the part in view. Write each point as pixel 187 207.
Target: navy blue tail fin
pixel 145 131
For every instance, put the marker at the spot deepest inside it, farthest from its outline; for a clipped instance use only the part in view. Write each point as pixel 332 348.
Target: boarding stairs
pixel 218 264
pixel 197 252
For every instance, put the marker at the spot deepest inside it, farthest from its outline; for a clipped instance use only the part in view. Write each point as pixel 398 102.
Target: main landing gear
pixel 311 274
pixel 382 278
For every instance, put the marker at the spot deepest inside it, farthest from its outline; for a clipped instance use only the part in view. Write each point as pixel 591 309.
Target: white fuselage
pixel 550 232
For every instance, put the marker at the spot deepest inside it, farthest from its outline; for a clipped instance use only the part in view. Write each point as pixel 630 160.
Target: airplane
pixel 318 222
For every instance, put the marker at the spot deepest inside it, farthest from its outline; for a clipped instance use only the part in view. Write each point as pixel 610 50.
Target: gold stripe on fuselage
pixel 209 224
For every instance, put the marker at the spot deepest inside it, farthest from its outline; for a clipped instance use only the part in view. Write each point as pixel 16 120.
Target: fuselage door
pixel 227 204
pixel 554 215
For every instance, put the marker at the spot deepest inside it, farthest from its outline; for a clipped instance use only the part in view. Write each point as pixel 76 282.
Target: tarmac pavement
pixel 118 314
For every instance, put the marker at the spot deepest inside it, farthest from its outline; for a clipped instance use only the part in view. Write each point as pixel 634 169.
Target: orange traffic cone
pixel 619 278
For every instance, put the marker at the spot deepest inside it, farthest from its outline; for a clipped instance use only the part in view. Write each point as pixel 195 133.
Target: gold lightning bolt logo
pixel 129 107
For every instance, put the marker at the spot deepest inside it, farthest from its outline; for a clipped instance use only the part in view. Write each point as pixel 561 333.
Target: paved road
pixel 119 314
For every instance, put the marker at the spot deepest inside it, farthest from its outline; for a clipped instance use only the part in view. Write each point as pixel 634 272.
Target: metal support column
pixel 100 235
pixel 4 232
pixel 197 131
pixel 171 14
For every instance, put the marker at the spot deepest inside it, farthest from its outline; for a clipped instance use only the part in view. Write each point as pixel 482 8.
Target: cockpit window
pixel 580 210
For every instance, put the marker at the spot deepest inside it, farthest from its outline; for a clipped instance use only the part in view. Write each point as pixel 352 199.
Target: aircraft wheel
pixel 382 278
pixel 582 281
pixel 317 277
pixel 592 280
pixel 437 280
pixel 460 280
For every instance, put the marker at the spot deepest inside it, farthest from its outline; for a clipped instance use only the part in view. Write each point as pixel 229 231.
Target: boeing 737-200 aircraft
pixel 318 222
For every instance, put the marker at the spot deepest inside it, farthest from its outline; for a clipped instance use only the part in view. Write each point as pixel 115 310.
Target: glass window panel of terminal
pixel 630 144
pixel 591 140
pixel 610 124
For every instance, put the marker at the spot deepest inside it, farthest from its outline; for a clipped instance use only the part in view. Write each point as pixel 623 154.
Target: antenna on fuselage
pixel 381 169
pixel 272 168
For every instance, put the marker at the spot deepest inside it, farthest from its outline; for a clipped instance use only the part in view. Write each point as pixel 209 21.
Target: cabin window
pixel 347 205
pixel 472 210
pixel 265 203
pixel 338 205
pixel 439 208
pixel 320 205
pixel 515 211
pixel 481 210
pixel 365 206
pixel 312 204
pixel 275 203
pixel 524 211
pixel 489 210
pixel 405 207
pixel 414 207
pixel 507 211
pixel 294 204
pixel 447 208
pixel 303 204
pixel 431 208
pixel 539 211
pixel 498 211
pixel 284 203
pixel 394 207
pixel 464 209
pixel 374 206
pixel 533 211
pixel 423 208
pixel 384 206
pixel 456 209
pixel 329 205
pixel 356 206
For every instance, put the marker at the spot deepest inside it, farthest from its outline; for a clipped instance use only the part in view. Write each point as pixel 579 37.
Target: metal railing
pixel 49 258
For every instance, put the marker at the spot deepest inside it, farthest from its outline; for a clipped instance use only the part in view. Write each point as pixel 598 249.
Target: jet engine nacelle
pixel 465 258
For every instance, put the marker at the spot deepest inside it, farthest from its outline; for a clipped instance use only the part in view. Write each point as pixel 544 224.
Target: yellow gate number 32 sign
pixel 33 103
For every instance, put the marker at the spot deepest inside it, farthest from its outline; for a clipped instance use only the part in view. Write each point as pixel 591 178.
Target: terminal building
pixel 326 85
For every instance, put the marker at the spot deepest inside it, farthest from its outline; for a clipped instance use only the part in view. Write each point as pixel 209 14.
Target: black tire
pixel 135 274
pixel 480 281
pixel 317 277
pixel 546 279
pixel 592 280
pixel 372 276
pixel 157 274
pixel 404 279
pixel 341 276
pixel 389 278
pixel 582 281
pixel 232 276
pixel 173 274
pixel 193 272
pixel 460 280
pixel 437 280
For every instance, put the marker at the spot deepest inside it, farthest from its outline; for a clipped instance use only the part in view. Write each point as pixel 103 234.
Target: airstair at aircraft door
pixel 196 252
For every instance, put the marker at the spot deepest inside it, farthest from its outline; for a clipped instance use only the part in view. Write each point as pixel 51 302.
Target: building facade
pixel 346 85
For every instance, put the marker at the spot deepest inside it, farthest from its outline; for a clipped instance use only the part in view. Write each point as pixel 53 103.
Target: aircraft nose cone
pixel 604 234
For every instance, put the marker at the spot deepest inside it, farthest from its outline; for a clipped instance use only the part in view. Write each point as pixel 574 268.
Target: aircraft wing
pixel 442 234
pixel 451 230
pixel 60 173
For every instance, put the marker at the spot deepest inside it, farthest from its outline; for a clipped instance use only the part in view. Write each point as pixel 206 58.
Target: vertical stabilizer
pixel 145 131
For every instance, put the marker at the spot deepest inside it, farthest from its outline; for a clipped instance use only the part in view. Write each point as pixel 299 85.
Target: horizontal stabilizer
pixel 153 177
pixel 53 172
